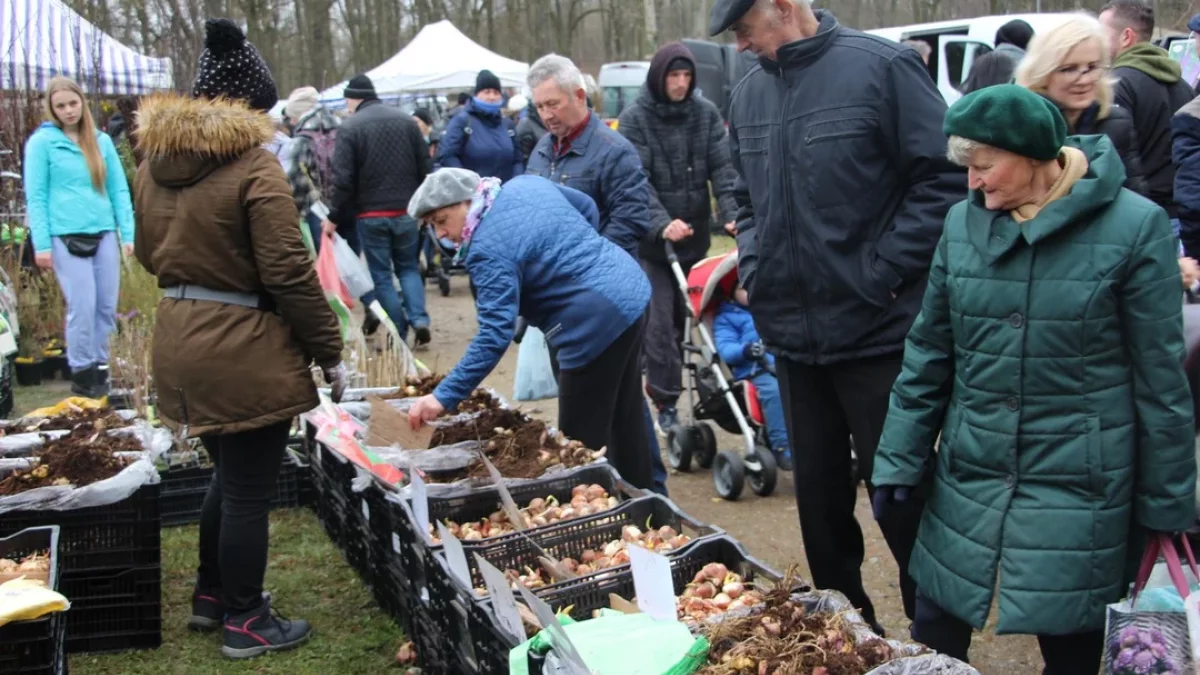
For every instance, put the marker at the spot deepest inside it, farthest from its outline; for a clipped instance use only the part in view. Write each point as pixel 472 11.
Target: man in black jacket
pixel 682 142
pixel 1150 85
pixel 842 190
pixel 378 163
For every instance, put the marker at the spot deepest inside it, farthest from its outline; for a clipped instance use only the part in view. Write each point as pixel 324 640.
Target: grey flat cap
pixel 725 12
pixel 443 187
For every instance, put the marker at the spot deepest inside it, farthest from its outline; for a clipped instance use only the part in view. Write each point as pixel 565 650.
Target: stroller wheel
pixel 729 475
pixel 444 285
pixel 763 480
pixel 706 449
pixel 679 448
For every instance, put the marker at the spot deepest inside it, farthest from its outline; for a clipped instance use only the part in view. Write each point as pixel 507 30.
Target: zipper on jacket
pixel 787 201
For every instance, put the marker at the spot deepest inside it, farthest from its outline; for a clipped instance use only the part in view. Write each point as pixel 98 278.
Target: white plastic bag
pixel 351 268
pixel 535 377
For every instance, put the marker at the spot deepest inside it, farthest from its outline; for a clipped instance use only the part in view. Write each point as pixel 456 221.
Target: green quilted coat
pixel 1048 355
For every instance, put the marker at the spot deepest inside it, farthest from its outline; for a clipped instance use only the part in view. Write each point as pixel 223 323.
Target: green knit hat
pixel 1011 118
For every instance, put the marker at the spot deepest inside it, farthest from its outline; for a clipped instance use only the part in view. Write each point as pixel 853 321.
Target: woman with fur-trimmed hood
pixel 242 320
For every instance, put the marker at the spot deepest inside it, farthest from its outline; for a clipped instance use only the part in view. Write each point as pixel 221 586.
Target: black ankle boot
pixel 83 382
pixel 100 380
pixel 260 631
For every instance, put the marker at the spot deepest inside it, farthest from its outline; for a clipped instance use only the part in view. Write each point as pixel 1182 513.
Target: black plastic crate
pixel 433 650
pixel 34 647
pixel 113 609
pixel 418 556
pixel 184 489
pixel 122 534
pixel 484 647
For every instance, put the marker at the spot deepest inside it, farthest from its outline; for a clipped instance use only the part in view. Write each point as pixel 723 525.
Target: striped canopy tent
pixel 40 39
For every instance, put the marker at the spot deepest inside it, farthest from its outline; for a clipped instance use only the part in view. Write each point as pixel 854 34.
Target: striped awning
pixel 40 39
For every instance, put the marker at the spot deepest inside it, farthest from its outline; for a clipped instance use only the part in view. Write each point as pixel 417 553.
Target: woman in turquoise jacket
pixel 78 204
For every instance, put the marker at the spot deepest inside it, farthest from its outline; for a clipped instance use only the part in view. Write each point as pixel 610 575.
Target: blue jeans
pixel 657 468
pixel 391 245
pixel 350 234
pixel 90 287
pixel 772 405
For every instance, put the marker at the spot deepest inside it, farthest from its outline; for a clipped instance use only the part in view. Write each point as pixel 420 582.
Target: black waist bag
pixel 82 245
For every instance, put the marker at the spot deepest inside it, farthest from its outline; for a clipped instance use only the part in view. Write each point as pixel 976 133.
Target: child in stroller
pixel 741 349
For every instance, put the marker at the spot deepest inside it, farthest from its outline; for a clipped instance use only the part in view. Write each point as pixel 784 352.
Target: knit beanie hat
pixel 423 115
pixel 443 187
pixel 360 87
pixel 231 67
pixel 300 102
pixel 1016 32
pixel 486 80
pixel 1009 117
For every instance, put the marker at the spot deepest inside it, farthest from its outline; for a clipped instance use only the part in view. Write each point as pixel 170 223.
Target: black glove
pixel 888 498
pixel 754 351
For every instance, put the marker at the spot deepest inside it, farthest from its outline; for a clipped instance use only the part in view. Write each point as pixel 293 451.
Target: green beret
pixel 1011 118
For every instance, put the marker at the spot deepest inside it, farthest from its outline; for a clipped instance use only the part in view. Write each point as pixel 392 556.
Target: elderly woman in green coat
pixel 1048 356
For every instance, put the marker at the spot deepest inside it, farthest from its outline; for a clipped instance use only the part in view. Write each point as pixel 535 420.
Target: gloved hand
pixel 754 351
pixel 887 498
pixel 336 379
pixel 519 334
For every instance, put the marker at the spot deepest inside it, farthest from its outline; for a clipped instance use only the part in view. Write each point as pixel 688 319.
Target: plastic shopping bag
pixel 335 291
pixel 352 269
pixel 535 377
pixel 1138 640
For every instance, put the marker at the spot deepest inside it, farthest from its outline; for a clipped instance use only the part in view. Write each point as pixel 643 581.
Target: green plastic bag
pixel 661 647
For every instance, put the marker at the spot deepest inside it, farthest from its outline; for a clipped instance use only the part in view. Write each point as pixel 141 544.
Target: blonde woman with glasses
pixel 1069 65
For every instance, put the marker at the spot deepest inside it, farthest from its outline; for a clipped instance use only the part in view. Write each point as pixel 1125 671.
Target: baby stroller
pixel 446 265
pixel 714 395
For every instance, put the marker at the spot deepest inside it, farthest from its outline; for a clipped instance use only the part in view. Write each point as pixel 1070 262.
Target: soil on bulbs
pixel 515 456
pixel 90 419
pixel 481 428
pixel 80 458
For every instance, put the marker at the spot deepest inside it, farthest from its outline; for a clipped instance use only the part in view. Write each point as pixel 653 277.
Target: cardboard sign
pixel 559 641
pixel 390 427
pixel 506 500
pixel 652 583
pixel 455 556
pixel 503 602
pixel 420 505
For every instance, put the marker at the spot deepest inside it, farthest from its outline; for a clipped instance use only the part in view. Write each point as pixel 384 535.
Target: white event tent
pixel 40 39
pixel 439 58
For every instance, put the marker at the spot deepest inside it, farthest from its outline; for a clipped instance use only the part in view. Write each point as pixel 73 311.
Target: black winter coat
pixel 843 188
pixel 683 147
pixel 1185 131
pixel 378 163
pixel 1118 126
pixel 1152 104
pixel 529 131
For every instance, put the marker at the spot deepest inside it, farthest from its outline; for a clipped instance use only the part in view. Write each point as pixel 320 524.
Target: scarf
pixel 481 203
pixel 1074 166
pixel 484 106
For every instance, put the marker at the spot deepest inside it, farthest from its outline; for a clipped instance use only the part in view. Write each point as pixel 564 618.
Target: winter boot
pixel 208 611
pixel 783 459
pixel 100 385
pixel 260 631
pixel 668 419
pixel 83 382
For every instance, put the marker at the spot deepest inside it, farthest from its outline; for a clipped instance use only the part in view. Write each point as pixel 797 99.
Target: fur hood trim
pixel 170 124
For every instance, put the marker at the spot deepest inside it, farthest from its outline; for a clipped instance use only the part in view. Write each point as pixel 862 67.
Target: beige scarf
pixel 1074 165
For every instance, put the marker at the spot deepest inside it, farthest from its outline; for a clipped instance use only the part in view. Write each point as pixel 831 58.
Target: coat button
pixel 1016 320
pixel 1013 403
pixel 1010 481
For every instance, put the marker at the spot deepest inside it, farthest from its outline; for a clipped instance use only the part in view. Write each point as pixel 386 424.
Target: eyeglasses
pixel 1076 73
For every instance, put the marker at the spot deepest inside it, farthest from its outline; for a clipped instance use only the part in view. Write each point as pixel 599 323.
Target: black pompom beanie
pixel 231 67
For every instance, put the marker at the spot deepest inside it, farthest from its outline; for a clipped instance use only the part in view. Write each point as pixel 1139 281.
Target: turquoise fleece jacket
pixel 59 193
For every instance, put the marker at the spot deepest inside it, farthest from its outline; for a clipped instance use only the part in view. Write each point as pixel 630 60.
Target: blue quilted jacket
pixel 537 253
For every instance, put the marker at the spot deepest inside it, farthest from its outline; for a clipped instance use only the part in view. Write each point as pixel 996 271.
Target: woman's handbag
pixel 1148 632
pixel 82 245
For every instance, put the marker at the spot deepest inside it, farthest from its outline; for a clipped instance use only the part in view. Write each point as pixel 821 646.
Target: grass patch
pixel 721 244
pixel 308 578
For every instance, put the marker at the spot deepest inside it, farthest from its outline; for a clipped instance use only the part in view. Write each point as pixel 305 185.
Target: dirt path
pixel 767 527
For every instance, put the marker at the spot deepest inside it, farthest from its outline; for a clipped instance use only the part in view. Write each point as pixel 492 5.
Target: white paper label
pixel 420 505
pixel 395 543
pixel 559 641
pixel 652 583
pixel 366 511
pixel 1191 607
pixel 503 602
pixel 506 500
pixel 455 557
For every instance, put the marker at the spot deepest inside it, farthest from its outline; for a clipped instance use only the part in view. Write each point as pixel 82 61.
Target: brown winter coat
pixel 214 209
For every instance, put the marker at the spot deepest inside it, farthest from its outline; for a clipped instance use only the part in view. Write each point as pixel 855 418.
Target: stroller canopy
pixel 718 273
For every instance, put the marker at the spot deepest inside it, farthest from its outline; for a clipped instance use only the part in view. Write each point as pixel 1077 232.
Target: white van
pixel 956 44
pixel 620 84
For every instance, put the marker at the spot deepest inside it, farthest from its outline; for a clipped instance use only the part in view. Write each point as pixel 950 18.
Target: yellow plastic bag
pixel 66 405
pixel 24 599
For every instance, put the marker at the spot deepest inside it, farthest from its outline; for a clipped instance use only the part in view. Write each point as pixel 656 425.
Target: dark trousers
pixel 658 470
pixel 1077 654
pixel 601 405
pixel 233 521
pixel 664 335
pixel 824 406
